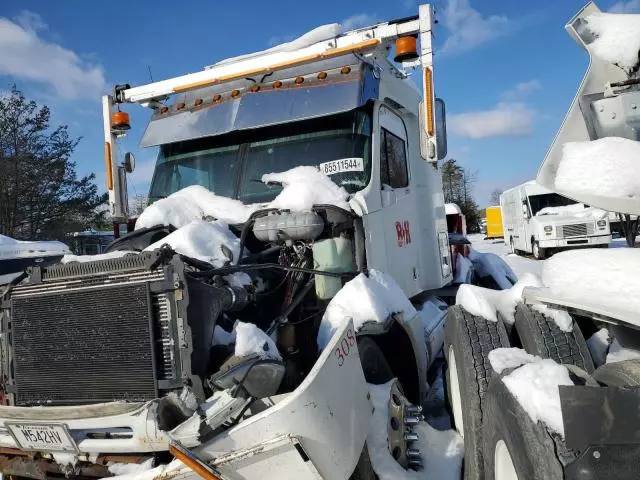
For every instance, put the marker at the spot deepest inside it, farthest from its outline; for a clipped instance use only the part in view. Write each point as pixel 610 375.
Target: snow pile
pixel 534 384
pixel 441 451
pixel 223 337
pixel 464 269
pixel 251 340
pixel 598 344
pixel 93 258
pixel 618 353
pixel 617 38
pixel 4 240
pixel 561 318
pixel 491 265
pixel 129 468
pixel 193 203
pixel 487 303
pixel 608 278
pixel 601 167
pixel 210 242
pixel 364 299
pixel 502 359
pixel 305 187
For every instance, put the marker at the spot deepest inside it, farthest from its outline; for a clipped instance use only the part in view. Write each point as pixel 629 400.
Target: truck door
pixel 525 229
pixel 399 209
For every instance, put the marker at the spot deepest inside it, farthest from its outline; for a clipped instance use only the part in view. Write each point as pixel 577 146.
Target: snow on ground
pixel 210 242
pixel 617 38
pixel 168 470
pixel 601 168
pixel 441 451
pixel 129 468
pixel 534 384
pixel 93 258
pixel 607 277
pixel 520 265
pixel 370 298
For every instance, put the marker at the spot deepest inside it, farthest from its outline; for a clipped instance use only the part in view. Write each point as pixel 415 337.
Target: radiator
pixel 97 332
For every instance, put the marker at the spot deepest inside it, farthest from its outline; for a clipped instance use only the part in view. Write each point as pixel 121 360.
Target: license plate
pixel 342 165
pixel 47 437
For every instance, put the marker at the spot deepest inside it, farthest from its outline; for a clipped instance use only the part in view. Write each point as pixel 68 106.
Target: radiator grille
pixel 91 346
pixel 576 230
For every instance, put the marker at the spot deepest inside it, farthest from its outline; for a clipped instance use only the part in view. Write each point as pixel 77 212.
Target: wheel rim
pixel 502 463
pixel 454 386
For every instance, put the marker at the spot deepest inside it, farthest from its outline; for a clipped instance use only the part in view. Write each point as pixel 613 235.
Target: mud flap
pixel 602 423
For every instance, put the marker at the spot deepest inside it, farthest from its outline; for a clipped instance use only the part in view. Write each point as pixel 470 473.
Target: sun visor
pixel 212 111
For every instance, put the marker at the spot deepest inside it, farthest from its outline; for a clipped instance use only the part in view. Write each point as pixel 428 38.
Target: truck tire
pixel 364 467
pixel 515 447
pixel 619 374
pixel 375 367
pixel 538 253
pixel 468 341
pixel 541 336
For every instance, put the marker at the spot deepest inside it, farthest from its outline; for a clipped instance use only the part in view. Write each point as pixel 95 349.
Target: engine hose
pixel 266 266
pixel 248 224
pixel 294 303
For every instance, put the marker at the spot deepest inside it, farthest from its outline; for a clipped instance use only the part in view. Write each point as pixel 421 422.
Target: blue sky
pixel 506 69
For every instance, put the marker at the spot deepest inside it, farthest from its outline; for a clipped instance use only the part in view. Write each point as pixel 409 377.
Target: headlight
pixel 602 223
pixel 548 228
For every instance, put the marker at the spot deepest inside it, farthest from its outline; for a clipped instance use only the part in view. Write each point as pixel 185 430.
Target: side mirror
pixel 525 210
pixel 129 162
pixel 441 128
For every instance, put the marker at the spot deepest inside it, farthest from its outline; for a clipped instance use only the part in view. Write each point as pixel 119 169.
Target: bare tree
pixel 138 204
pixel 494 196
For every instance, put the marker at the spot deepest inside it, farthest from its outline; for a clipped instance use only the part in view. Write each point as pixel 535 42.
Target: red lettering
pixel 338 353
pixel 403 232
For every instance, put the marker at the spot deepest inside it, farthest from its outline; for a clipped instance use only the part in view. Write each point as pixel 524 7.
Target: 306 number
pixel 345 347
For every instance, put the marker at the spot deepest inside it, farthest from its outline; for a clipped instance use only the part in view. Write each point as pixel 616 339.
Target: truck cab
pixel 138 369
pixel 539 221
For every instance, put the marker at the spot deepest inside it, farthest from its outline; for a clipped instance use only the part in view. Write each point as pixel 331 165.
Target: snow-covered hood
pixel 569 214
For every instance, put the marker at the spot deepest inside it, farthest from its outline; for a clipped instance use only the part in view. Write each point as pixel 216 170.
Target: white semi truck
pixel 518 422
pixel 539 221
pixel 112 360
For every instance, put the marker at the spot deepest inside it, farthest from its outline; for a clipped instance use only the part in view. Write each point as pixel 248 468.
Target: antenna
pixel 150 76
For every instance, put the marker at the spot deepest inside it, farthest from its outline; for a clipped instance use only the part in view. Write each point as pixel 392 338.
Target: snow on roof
pixel 617 37
pixel 608 278
pixel 318 34
pixel 534 384
pixel 94 258
pixel 304 187
pixel 452 209
pixel 365 299
pixel 575 210
pixel 441 451
pixel 210 242
pixel 604 169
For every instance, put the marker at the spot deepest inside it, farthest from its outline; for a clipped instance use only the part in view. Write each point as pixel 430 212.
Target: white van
pixel 539 221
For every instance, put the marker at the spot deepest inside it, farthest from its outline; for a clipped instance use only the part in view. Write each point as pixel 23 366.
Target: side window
pixel 393 160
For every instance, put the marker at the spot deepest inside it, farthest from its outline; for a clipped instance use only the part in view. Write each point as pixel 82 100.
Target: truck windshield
pixel 538 202
pixel 232 165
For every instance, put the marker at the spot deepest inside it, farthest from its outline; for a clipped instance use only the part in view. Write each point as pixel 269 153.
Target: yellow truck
pixel 494 222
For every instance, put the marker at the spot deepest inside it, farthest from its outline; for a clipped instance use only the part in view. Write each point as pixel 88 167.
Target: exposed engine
pixel 139 327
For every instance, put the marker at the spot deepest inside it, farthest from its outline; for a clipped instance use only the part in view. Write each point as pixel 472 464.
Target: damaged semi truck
pixel 124 359
pixel 531 397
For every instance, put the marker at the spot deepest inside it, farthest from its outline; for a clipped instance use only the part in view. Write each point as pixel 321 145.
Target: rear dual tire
pixel 468 341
